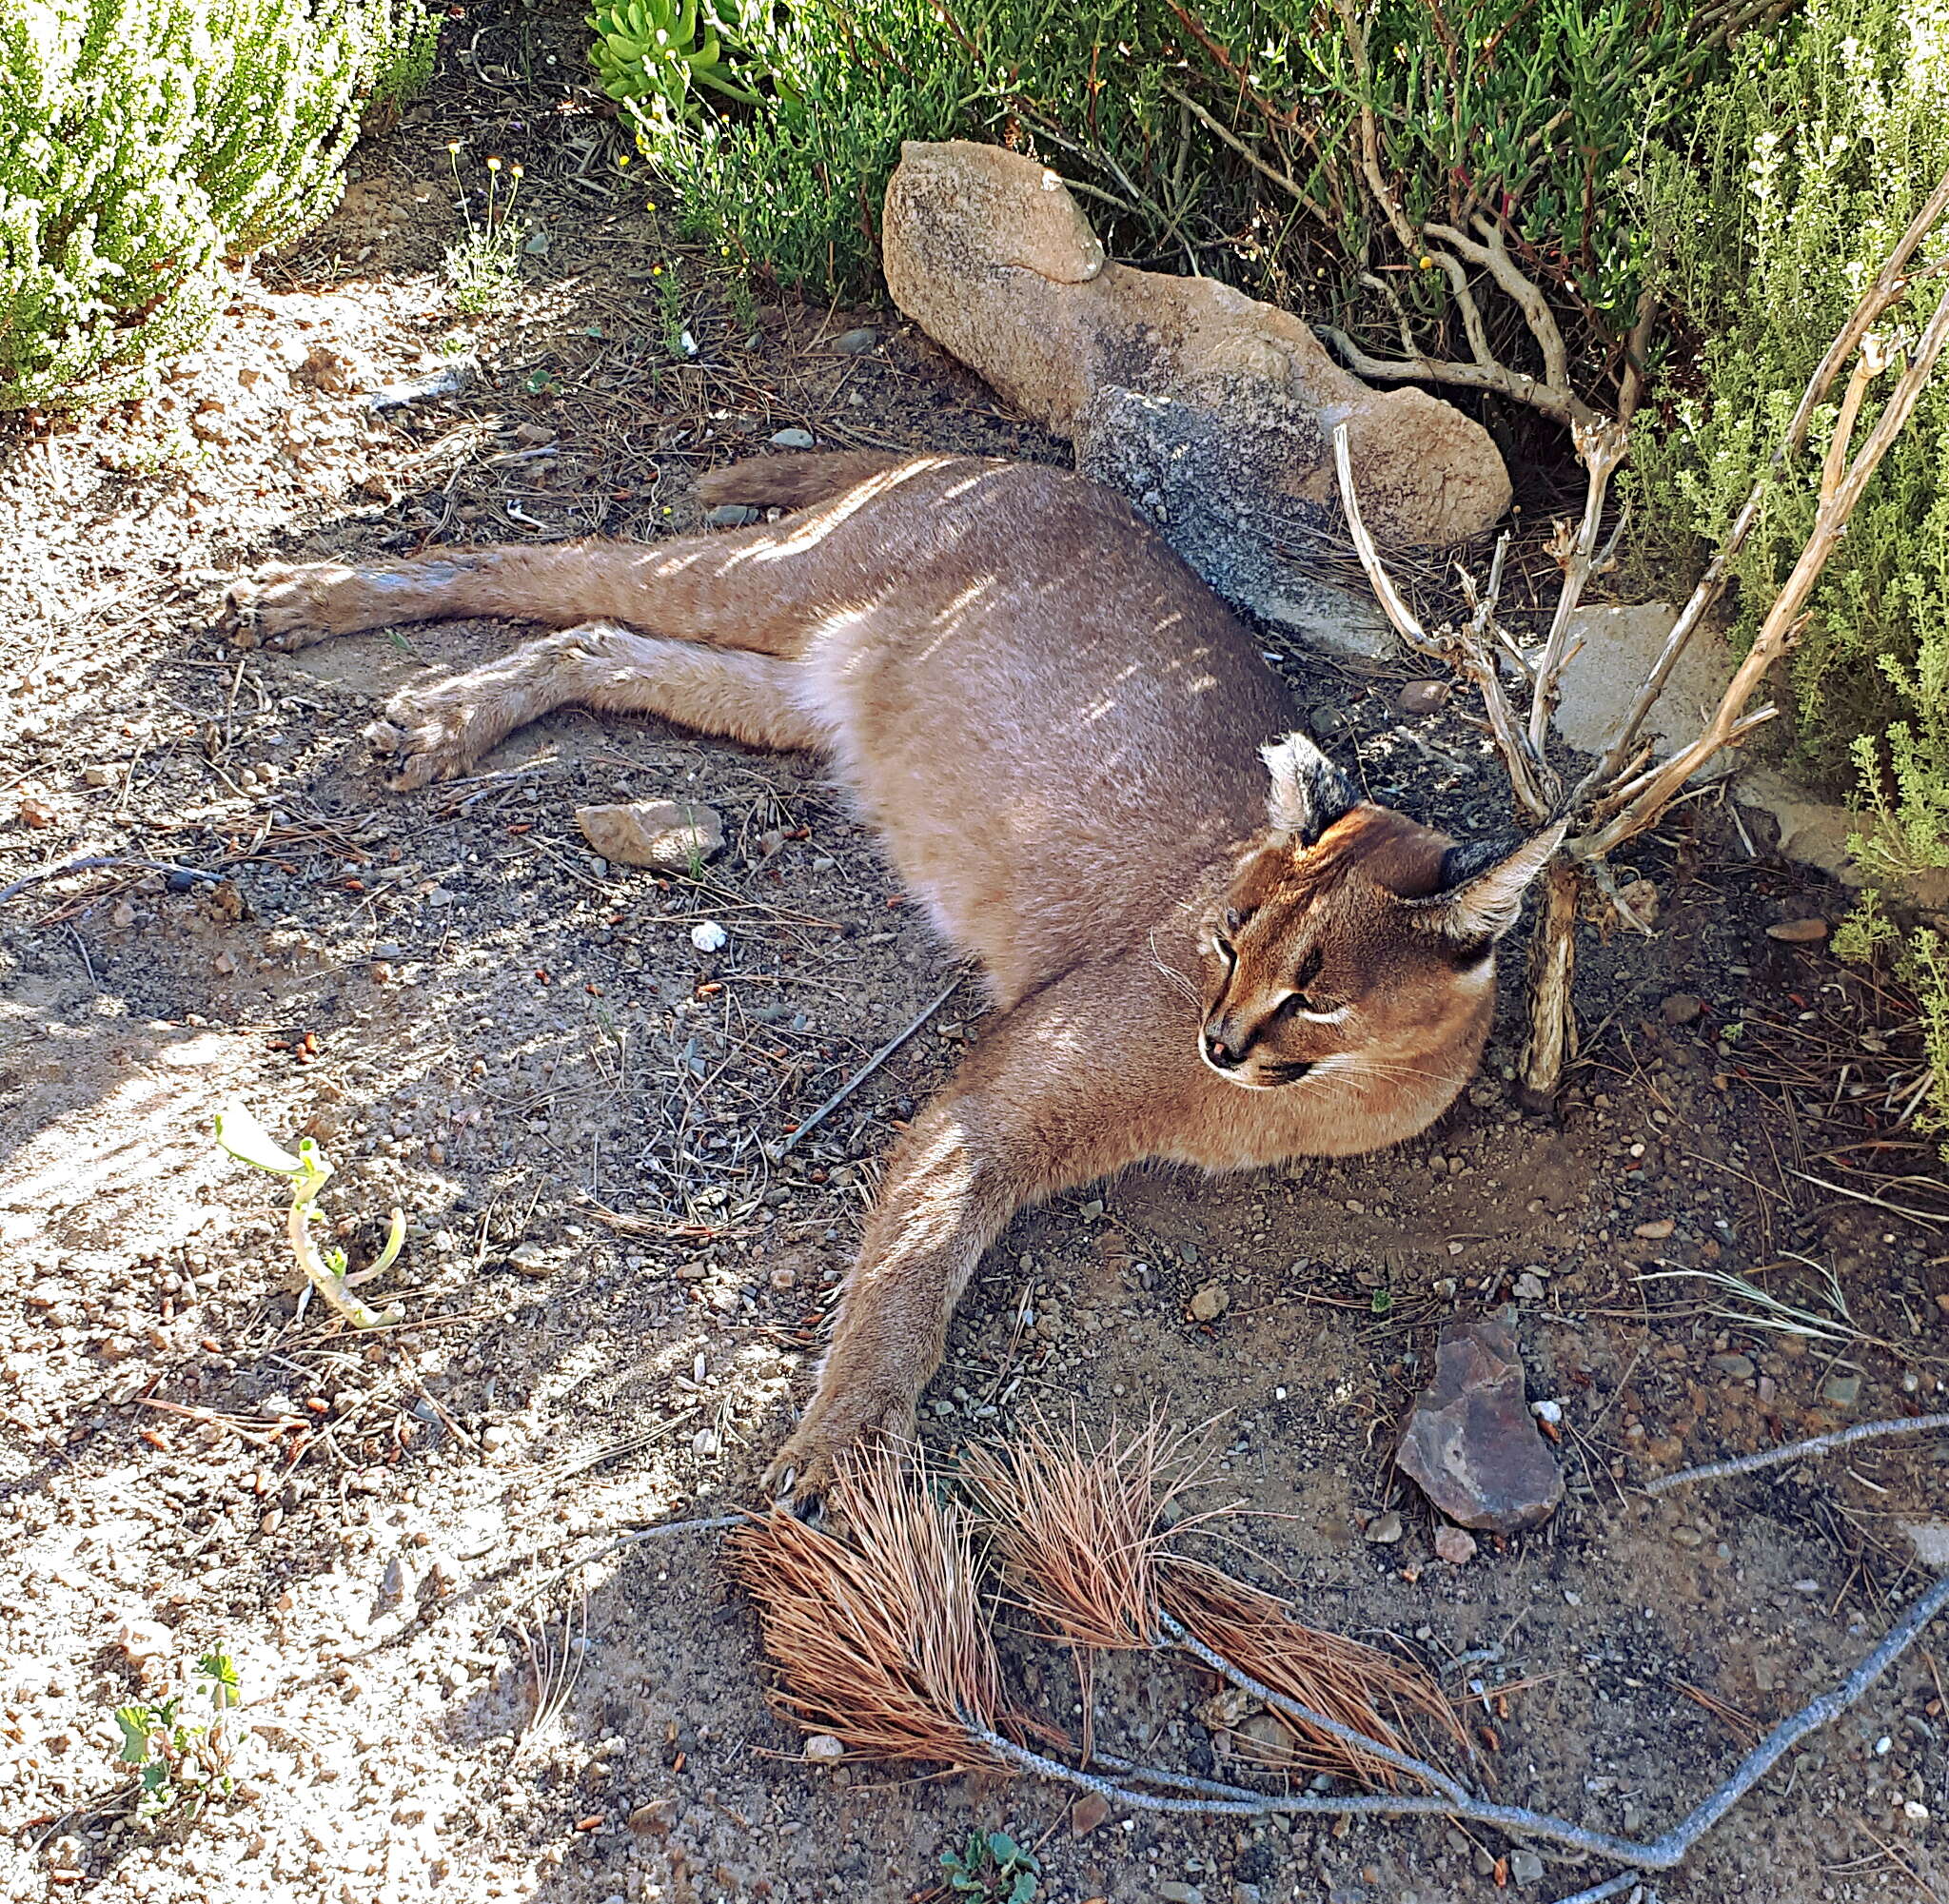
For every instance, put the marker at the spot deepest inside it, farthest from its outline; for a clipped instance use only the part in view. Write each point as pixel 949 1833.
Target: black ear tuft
pixel 1461 864
pixel 1483 885
pixel 1308 792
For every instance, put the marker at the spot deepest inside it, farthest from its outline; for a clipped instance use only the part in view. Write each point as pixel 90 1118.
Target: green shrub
pixel 1815 152
pixel 144 143
pixel 1222 138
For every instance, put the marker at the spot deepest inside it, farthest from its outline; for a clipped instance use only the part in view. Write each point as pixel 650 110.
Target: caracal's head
pixel 1352 939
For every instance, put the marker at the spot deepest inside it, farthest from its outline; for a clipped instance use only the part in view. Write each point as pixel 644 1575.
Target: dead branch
pixel 1212 1798
pixel 1819 1444
pixel 1467 651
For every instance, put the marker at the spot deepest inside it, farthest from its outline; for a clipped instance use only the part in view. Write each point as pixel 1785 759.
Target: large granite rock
pixel 1214 413
pixel 1472 1444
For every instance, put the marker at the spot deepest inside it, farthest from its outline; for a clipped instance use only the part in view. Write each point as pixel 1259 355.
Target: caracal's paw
pixel 844 1423
pixel 281 608
pixel 432 733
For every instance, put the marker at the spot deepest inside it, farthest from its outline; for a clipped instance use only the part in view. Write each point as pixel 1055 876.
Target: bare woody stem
pixel 1469 650
pixel 1209 1798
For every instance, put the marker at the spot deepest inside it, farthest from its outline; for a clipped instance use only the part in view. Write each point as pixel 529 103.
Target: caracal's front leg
pixel 1040 1105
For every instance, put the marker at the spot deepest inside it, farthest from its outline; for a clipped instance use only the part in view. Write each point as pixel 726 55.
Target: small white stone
pixel 825 1746
pixel 708 936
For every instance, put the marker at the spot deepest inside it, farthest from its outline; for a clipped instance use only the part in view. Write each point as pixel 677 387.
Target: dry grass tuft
pixel 880 1637
pixel 1373 1692
pixel 1080 1526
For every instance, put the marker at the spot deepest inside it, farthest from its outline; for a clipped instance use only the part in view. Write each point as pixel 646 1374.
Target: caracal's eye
pixel 1233 919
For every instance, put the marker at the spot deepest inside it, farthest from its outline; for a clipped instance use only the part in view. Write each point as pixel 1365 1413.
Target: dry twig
pixel 1819 1444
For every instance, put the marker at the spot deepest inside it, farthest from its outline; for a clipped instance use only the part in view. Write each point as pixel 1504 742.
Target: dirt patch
pixel 616 1284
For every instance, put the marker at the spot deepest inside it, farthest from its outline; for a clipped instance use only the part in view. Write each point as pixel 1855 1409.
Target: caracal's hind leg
pixel 698 588
pixel 436 730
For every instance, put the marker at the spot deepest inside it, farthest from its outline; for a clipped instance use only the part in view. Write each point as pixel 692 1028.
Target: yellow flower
pixel 649 204
pixel 493 165
pixel 622 158
pixel 1427 263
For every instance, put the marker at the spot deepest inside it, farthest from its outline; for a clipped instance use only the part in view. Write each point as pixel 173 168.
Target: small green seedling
pixel 993 1867
pixel 247 1140
pixel 182 1760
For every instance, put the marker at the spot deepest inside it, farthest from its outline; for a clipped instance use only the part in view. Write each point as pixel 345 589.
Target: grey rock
pixel 1174 1893
pixel 1681 1008
pixel 1209 1303
pixel 792 439
pixel 1739 1366
pixel 669 834
pixel 730 515
pixel 1384 1530
pixel 1208 481
pixel 1526 1867
pixel 1423 698
pixel 1471 1444
pixel 1210 411
pixel 856 342
pixel 1843 1390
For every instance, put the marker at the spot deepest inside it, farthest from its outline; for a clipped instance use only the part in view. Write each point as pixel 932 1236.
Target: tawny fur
pixel 1200 944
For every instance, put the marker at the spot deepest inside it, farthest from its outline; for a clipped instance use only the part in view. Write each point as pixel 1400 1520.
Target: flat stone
pixel 1799 932
pixel 1739 1366
pixel 1423 698
pixel 672 835
pixel 856 342
pixel 824 1748
pixel 1843 1390
pixel 731 515
pixel 1681 1008
pixel 1088 1813
pixel 792 439
pixel 1384 1530
pixel 1454 1544
pixel 1471 1444
pixel 1174 1892
pixel 1526 1867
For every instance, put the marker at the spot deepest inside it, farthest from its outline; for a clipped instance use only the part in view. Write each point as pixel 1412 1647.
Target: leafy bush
pixel 144 142
pixel 1815 150
pixel 1224 137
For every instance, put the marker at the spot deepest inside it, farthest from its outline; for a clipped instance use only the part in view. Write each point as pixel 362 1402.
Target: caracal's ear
pixel 1483 886
pixel 1308 792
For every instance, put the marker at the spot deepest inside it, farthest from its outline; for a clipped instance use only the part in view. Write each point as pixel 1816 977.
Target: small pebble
pixel 1174 1892
pixel 1799 932
pixel 1209 1303
pixel 1454 1544
pixel 1384 1529
pixel 730 515
pixel 708 936
pixel 822 1746
pixel 1421 697
pixel 1683 1008
pixel 792 439
pixel 854 344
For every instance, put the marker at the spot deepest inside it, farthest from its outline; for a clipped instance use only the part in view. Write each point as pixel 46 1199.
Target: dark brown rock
pixel 1470 1444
